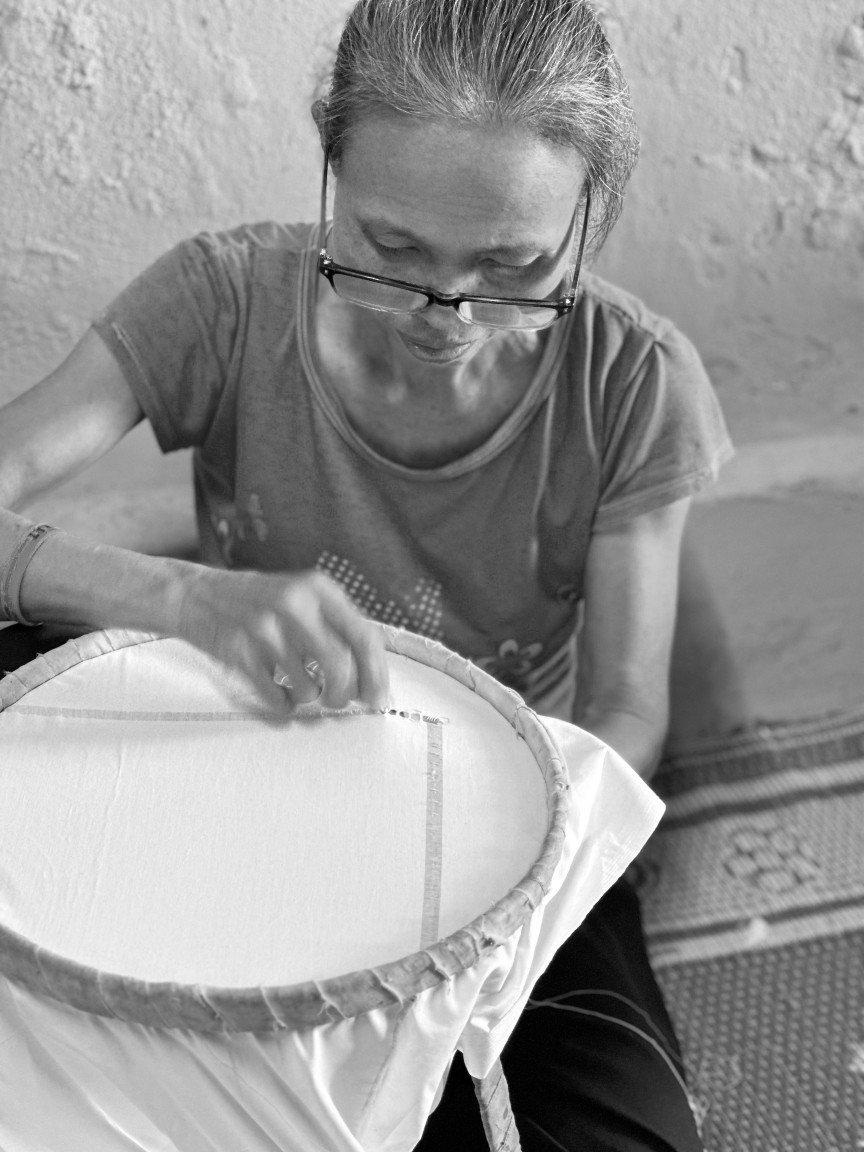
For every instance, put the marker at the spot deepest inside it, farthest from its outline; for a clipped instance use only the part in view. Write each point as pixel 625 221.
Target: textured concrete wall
pixel 124 126
pixel 746 217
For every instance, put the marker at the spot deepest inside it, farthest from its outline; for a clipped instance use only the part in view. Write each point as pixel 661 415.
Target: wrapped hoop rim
pixel 208 1009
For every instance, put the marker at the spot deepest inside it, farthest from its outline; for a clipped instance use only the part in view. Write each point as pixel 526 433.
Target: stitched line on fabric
pixel 821 912
pixel 118 714
pixel 430 923
pixel 114 714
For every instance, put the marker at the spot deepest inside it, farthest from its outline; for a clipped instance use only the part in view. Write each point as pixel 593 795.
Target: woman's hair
pixel 542 65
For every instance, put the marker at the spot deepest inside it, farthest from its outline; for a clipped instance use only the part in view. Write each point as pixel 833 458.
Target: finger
pixel 373 672
pixel 299 684
pixel 257 693
pixel 269 702
pixel 321 623
pixel 334 672
pixel 365 642
pixel 313 663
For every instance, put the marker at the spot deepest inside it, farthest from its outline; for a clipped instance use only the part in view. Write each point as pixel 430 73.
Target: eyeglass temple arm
pixel 583 236
pixel 323 215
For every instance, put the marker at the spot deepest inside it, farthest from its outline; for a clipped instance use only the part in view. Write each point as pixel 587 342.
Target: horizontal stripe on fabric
pixel 670 948
pixel 119 714
pixel 300 711
pixel 759 752
pixel 766 799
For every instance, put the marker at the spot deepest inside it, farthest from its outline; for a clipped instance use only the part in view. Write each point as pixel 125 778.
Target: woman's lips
pixel 434 352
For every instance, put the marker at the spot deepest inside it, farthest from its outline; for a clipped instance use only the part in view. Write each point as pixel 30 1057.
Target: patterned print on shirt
pixel 511 664
pixel 234 524
pixel 521 668
pixel 418 610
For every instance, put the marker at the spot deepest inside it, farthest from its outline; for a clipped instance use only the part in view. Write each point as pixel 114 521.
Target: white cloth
pixel 72 1081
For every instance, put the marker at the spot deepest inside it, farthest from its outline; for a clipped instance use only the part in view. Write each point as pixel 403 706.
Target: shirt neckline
pixel 501 438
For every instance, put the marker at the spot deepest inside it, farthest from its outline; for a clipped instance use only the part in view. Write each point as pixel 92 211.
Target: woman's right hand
pixel 250 621
pixel 256 623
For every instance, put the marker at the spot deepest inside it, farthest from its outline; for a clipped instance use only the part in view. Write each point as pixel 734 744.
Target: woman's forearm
pixel 252 622
pixel 72 581
pixel 637 740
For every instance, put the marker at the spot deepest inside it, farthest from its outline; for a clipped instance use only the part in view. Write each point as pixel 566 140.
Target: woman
pixel 423 412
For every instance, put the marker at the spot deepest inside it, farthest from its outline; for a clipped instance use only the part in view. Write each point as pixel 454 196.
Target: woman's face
pixel 460 209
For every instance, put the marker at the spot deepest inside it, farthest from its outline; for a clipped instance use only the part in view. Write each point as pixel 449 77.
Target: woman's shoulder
pixel 607 304
pixel 263 241
pixel 617 340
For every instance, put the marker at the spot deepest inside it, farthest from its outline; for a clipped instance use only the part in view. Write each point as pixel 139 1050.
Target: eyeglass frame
pixel 328 268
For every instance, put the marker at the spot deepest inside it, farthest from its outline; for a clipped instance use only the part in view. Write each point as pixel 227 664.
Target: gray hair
pixel 541 65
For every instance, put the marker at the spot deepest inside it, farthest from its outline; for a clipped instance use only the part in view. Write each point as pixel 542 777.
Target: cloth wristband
pixel 10 585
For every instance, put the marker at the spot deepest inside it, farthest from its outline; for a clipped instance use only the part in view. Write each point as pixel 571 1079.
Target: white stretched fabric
pixel 286 855
pixel 444 844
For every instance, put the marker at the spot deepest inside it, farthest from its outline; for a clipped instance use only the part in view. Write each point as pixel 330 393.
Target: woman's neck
pixel 420 414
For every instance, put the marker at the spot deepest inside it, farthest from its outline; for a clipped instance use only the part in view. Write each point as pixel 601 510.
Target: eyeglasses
pixel 398 297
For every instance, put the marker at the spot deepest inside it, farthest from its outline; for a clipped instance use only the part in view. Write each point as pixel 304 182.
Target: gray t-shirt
pixel 485 553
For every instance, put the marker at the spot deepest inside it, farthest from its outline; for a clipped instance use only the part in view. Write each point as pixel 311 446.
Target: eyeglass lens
pixel 389 298
pixel 371 294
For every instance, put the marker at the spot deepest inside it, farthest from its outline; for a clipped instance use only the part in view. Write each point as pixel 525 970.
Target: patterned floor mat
pixel 753 896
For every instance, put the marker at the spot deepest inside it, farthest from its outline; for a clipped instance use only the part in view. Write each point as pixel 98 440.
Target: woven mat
pixel 753 896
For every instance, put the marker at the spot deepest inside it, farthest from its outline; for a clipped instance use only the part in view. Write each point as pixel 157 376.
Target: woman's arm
pixel 250 621
pixel 64 423
pixel 631 591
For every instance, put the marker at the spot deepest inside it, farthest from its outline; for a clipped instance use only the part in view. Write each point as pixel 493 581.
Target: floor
pixel 772 605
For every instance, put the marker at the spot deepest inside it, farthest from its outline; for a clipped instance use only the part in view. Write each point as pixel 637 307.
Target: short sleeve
pixel 173 332
pixel 664 436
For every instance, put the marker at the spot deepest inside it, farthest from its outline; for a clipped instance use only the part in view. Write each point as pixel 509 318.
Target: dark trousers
pixel 593 1064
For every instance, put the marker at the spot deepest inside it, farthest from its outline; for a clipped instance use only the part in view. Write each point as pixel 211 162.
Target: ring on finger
pixel 281 678
pixel 313 671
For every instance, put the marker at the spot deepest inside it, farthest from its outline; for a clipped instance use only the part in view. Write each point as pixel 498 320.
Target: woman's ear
pixel 319 115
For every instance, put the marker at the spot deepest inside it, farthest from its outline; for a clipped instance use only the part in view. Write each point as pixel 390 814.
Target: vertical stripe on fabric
pixel 429 928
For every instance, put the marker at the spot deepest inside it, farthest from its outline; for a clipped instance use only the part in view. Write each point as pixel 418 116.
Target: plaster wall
pixel 745 220
pixel 125 126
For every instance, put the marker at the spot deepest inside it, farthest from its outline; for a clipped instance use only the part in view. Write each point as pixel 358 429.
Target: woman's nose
pixel 447 284
pixel 442 318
